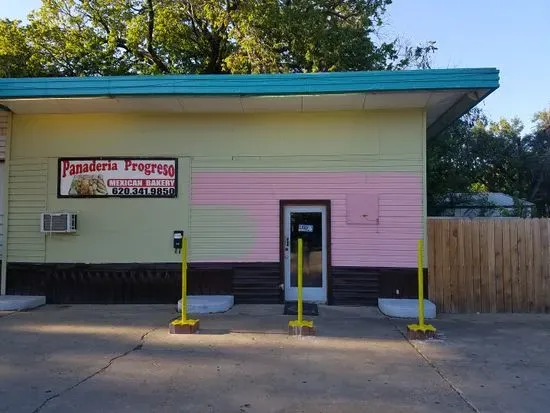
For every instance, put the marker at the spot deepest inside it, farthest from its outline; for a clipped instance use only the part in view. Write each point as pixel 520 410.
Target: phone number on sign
pixel 144 191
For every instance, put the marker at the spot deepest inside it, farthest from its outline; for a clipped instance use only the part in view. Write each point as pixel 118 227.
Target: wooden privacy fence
pixel 489 265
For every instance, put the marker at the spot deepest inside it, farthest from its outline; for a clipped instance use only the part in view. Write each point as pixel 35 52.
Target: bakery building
pixel 104 174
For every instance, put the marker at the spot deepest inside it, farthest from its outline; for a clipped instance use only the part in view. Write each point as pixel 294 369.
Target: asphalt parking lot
pixel 121 358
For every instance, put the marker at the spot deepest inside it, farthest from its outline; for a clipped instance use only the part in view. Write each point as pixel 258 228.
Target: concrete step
pixel 21 302
pixel 206 304
pixel 405 307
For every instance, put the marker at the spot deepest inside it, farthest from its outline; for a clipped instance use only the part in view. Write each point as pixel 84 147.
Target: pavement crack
pixel 137 347
pixel 430 363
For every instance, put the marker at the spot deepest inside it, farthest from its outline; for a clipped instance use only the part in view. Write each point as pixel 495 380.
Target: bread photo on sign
pixel 88 185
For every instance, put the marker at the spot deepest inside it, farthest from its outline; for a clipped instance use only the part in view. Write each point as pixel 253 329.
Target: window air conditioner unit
pixel 57 222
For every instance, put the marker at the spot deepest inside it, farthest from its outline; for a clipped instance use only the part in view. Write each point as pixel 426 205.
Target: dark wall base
pixel 355 286
pixel 364 285
pixel 257 283
pixel 403 279
pixel 143 283
pixel 254 283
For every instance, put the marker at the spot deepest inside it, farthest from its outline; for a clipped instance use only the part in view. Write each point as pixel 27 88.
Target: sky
pixel 509 35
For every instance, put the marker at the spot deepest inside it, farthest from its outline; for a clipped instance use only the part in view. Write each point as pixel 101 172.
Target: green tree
pixel 537 163
pixel 452 167
pixel 106 37
pixel 14 50
pixel 496 156
pixel 499 156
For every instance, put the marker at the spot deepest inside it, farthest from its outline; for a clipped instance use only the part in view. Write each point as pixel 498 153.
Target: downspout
pixel 6 177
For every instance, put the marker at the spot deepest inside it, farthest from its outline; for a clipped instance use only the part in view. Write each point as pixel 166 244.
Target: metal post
pixel 300 282
pixel 300 326
pixel 184 325
pixel 184 281
pixel 420 330
pixel 420 283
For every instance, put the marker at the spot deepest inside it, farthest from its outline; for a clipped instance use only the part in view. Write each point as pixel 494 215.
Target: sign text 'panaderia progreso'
pixel 120 177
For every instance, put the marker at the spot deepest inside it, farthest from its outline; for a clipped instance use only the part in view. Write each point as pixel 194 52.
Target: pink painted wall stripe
pixel 391 243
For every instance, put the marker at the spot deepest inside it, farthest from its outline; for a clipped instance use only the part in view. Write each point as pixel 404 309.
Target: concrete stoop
pixel 405 307
pixel 207 304
pixel 21 302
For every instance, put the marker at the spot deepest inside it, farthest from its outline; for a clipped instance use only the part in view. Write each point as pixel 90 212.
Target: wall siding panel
pixel 140 228
pixel 2 199
pixel 4 120
pixel 391 243
pixel 27 200
pixel 4 126
pixel 1 233
pixel 357 148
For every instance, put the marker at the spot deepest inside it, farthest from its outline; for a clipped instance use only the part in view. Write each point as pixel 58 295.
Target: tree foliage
pixel 15 52
pixel 111 37
pixel 115 37
pixel 497 156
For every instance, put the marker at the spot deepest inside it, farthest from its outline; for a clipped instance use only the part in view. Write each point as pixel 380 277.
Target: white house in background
pixel 487 204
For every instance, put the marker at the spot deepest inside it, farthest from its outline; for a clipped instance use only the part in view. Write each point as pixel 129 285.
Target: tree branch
pixel 151 52
pixel 342 16
pixel 231 6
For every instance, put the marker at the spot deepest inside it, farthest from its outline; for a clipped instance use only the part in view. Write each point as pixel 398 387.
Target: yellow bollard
pixel 184 325
pixel 184 281
pixel 300 327
pixel 420 330
pixel 300 281
pixel 420 282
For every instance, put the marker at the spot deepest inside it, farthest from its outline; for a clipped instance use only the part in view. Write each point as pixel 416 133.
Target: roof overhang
pixel 445 94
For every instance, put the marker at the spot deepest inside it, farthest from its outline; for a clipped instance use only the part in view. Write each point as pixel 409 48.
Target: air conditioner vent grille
pixel 58 222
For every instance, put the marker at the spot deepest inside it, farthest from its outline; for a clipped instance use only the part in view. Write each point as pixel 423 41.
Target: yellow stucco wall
pixel 140 230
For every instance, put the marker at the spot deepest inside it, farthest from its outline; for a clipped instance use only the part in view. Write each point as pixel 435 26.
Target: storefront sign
pixel 305 228
pixel 117 177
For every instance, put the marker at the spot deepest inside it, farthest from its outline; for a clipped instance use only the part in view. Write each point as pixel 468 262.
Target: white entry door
pixel 308 223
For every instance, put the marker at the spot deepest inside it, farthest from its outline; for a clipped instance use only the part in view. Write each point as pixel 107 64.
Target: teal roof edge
pixel 251 85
